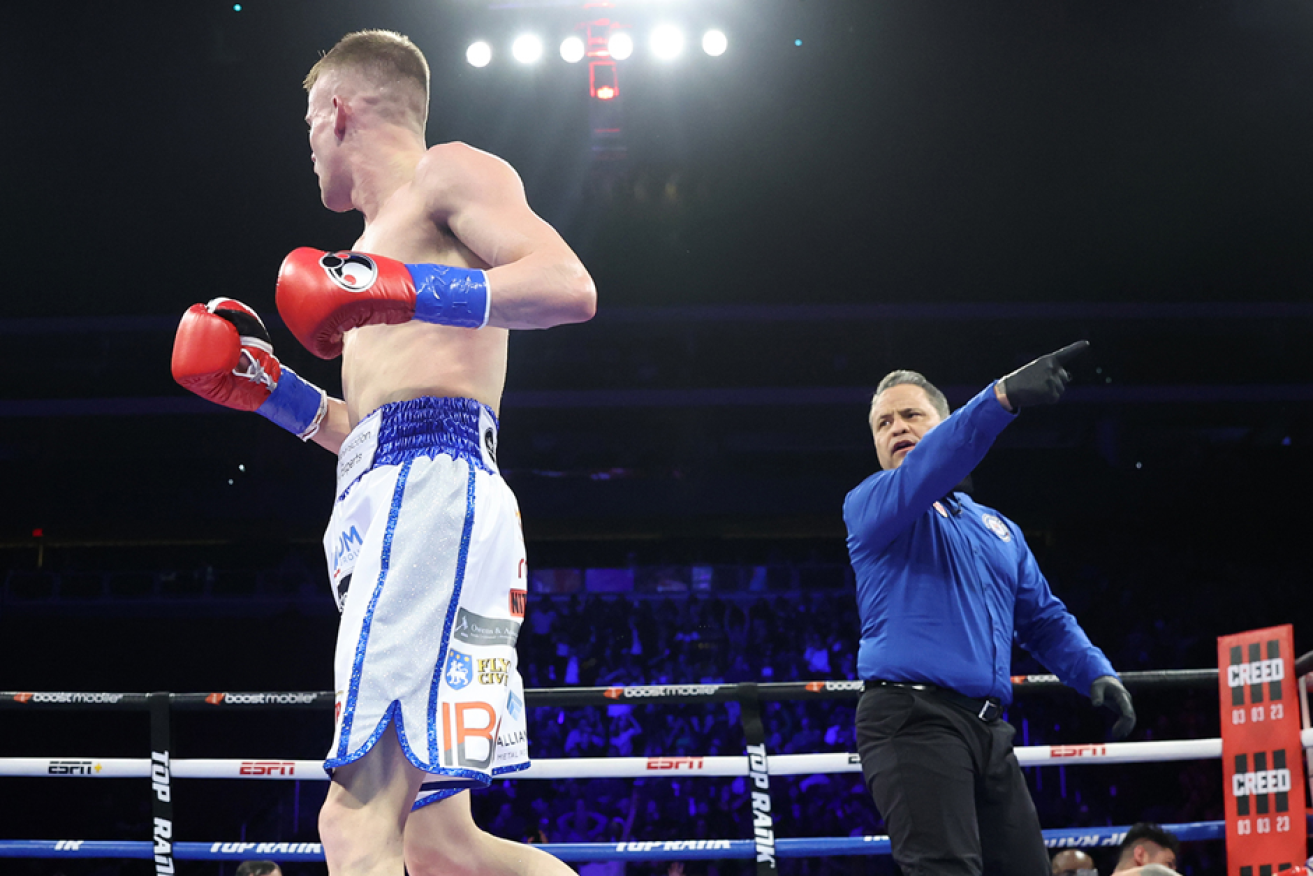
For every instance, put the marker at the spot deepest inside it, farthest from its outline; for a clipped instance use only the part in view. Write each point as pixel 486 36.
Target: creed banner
pixel 1265 807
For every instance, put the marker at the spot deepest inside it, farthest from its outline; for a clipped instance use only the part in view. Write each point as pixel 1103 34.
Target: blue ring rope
pixel 653 850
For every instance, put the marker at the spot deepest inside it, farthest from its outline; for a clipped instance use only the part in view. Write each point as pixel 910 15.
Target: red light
pixel 605 93
pixel 37 533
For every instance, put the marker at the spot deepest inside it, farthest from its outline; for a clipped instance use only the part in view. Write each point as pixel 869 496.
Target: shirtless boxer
pixel 424 545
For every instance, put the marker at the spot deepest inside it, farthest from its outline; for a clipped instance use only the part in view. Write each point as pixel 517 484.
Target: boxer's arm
pixel 335 426
pixel 534 280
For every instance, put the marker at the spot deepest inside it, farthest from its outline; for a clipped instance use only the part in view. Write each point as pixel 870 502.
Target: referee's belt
pixel 984 708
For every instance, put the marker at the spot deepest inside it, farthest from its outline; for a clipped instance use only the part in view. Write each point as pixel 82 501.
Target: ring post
pixel 161 787
pixel 754 736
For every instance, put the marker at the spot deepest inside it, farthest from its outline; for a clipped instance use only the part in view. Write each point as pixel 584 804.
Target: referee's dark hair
pixel 257 868
pixel 1146 832
pixel 914 378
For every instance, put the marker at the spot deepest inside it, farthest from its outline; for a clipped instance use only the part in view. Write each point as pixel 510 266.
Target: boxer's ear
pixel 341 114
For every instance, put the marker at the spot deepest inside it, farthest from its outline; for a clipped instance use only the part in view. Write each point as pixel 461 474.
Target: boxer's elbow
pixel 578 302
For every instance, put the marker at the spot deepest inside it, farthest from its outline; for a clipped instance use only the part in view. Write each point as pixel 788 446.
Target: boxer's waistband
pixel 461 428
pixel 984 708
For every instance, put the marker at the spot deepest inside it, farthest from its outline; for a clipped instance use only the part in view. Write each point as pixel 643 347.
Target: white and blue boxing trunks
pixel 426 557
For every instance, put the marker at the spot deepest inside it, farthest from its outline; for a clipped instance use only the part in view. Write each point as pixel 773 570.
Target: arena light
pixel 620 45
pixel 479 54
pixel 667 41
pixel 527 49
pixel 714 43
pixel 572 50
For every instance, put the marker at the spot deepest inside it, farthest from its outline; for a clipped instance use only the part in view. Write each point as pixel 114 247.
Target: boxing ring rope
pixel 160 767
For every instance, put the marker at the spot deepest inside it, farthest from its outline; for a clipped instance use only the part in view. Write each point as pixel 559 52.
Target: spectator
pixel 1147 843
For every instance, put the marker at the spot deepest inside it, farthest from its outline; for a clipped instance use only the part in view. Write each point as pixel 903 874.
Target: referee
pixel 944 585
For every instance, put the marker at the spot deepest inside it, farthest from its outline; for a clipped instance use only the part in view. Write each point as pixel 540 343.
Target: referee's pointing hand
pixel 1042 381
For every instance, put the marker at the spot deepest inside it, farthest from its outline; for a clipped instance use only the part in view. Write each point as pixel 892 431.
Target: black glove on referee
pixel 1108 691
pixel 1042 381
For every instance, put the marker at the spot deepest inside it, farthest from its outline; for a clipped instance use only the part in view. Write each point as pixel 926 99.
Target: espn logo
pixel 675 763
pixel 1268 787
pixel 1255 672
pixel 267 768
pixel 1078 751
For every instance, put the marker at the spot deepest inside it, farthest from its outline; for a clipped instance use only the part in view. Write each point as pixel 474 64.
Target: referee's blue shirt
pixel 942 594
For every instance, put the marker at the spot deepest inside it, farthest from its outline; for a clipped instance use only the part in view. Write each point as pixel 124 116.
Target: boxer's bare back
pixel 388 363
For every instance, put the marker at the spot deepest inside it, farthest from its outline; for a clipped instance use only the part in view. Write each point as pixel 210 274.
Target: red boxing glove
pixel 323 295
pixel 217 361
pixel 223 353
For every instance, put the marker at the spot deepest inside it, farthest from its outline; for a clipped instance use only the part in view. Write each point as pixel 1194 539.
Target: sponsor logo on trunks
pixel 676 763
pixel 459 671
pixel 515 738
pixel 514 706
pixel 996 526
pixel 763 825
pixel 348 546
pixel 267 768
pixel 1268 787
pixel 70 697
pixel 357 454
pixel 818 686
pixel 73 768
pixel 260 699
pixel 493 670
pixel 353 271
pixel 517 603
pixel 1078 751
pixel 469 730
pixel 342 587
pixel 337 707
pixel 475 629
pixel 490 443
pixel 661 690
pixel 673 846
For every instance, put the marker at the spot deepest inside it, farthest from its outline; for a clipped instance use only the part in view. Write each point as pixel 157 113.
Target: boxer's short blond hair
pixel 385 60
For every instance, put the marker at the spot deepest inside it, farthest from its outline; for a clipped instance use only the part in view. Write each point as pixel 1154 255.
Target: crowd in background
pixel 690 624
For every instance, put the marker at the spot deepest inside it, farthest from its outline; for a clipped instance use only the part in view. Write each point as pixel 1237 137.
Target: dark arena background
pixel 853 186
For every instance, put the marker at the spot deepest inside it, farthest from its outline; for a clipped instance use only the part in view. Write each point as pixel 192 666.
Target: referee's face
pixel 900 417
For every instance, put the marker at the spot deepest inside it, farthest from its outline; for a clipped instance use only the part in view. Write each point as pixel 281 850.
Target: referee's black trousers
pixel 948 785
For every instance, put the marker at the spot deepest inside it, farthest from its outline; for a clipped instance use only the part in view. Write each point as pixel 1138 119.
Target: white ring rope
pixel 616 767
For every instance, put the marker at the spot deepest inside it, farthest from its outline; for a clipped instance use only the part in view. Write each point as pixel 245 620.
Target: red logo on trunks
pixel 517 603
pixel 22 697
pixel 215 698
